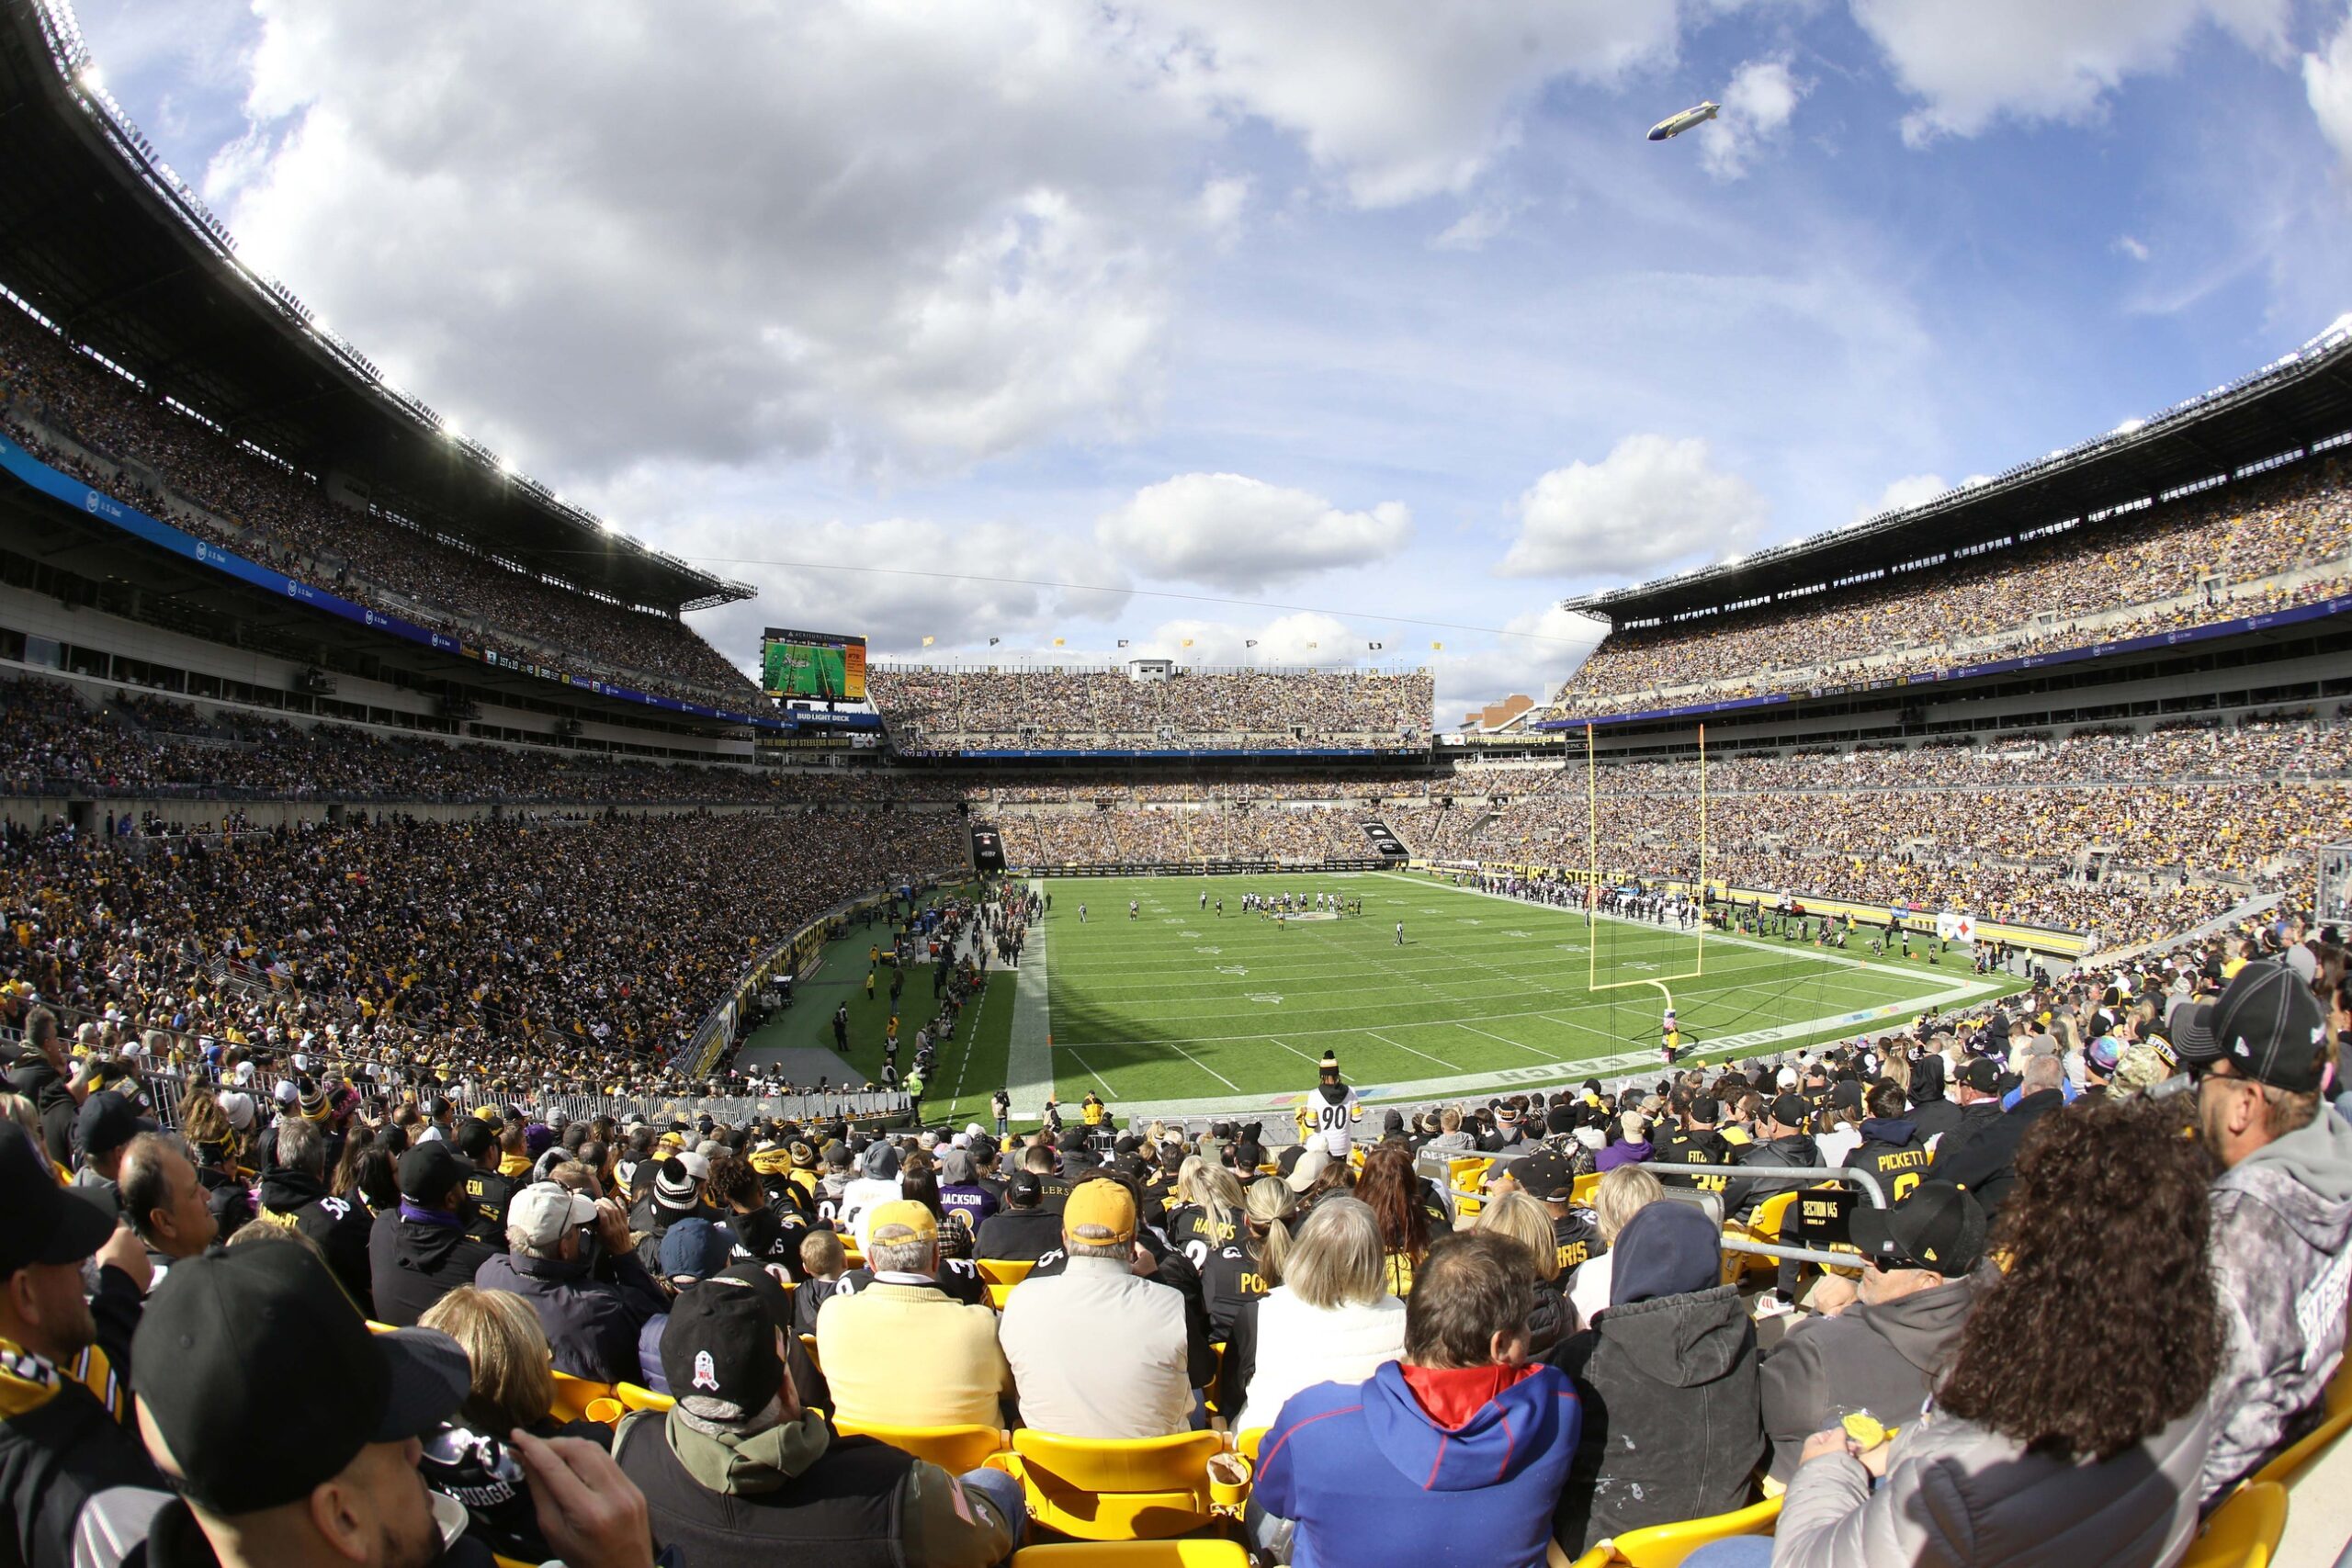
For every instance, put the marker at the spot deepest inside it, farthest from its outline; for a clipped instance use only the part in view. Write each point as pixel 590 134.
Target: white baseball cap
pixel 544 1209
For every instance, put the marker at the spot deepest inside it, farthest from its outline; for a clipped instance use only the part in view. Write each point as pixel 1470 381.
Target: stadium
pixel 395 872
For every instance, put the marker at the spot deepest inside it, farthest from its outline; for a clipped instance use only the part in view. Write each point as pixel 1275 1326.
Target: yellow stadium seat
pixel 608 1411
pixel 952 1448
pixel 998 1294
pixel 1665 1546
pixel 808 1343
pixel 2336 1416
pixel 1581 1190
pixel 1134 1554
pixel 2244 1531
pixel 1465 1174
pixel 1209 1394
pixel 574 1396
pixel 1763 1225
pixel 635 1397
pixel 1247 1443
pixel 1113 1488
pixel 1005 1271
pixel 375 1327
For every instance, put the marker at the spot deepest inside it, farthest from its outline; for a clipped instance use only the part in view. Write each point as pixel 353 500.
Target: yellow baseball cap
pixel 904 1220
pixel 1100 1213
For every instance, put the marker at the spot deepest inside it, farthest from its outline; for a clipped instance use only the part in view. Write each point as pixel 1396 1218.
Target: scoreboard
pixel 812 664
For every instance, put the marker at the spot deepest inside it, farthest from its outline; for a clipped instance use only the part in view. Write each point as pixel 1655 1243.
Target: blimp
pixel 1675 125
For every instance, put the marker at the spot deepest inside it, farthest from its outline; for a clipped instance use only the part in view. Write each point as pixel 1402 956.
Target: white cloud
pixel 2327 82
pixel 1305 637
pixel 1400 98
pixel 1230 530
pixel 2042 59
pixel 896 235
pixel 1912 489
pixel 1474 227
pixel 1220 206
pixel 1549 645
pixel 2130 246
pixel 1651 501
pixel 1756 109
pixel 896 611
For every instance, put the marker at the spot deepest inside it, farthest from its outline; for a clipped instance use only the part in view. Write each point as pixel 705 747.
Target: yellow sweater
pixel 905 1355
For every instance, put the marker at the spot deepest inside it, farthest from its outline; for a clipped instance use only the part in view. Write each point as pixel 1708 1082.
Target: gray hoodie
pixel 2281 1216
pixel 1883 1358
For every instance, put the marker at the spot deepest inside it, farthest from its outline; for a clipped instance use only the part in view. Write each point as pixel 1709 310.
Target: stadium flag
pixel 1249 642
pixel 1437 646
pixel 1373 646
pixel 1058 642
pixel 994 641
pixel 1123 642
pixel 929 640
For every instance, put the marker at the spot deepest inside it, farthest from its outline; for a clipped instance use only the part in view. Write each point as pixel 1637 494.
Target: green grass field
pixel 1179 1006
pixel 1181 1009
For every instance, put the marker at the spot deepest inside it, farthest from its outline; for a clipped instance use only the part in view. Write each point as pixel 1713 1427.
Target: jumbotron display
pixel 812 664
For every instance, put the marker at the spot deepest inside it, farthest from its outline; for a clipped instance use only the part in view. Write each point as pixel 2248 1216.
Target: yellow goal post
pixel 1593 883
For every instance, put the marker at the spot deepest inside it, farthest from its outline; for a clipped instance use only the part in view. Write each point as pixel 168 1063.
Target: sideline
pixel 1028 1059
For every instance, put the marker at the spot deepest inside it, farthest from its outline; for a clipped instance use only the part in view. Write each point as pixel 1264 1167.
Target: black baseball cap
pixel 224 1339
pixel 428 1170
pixel 1024 1188
pixel 1791 1110
pixel 1705 1111
pixel 1545 1174
pixel 46 1223
pixel 107 1122
pixel 721 1345
pixel 2267 1025
pixel 1982 1074
pixel 1938 1227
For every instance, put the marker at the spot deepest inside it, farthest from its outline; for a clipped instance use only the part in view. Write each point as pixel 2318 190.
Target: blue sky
pixel 1380 308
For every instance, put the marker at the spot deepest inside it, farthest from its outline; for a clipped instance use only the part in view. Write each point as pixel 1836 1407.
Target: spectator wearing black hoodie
pixel 1667 1376
pixel 1696 1142
pixel 1931 1113
pixel 422 1250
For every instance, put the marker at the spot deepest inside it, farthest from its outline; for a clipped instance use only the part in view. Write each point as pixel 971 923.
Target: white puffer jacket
pixel 1300 1346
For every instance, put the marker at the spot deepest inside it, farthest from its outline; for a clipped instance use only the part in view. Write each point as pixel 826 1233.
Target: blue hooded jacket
pixel 1371 1478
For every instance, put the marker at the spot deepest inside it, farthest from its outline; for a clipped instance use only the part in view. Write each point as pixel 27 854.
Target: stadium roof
pixel 2297 405
pixel 99 235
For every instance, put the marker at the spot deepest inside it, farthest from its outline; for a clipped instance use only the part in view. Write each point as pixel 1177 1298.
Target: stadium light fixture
pixel 453 432
pixel 2130 428
pixel 92 81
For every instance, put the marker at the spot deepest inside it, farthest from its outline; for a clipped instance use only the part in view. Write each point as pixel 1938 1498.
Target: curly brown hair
pixel 2107 1325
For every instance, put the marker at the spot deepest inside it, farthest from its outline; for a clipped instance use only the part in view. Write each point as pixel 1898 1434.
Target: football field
pixel 1181 1009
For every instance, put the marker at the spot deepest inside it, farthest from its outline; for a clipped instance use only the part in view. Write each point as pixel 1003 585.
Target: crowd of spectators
pixel 557 955
pixel 286 520
pixel 1184 834
pixel 948 709
pixel 137 744
pixel 2107 1288
pixel 2127 837
pixel 2183 564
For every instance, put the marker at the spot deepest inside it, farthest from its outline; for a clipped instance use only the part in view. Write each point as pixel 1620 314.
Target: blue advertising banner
pixel 73 492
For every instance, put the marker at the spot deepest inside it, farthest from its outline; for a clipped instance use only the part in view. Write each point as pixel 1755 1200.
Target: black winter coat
pixel 1673 1427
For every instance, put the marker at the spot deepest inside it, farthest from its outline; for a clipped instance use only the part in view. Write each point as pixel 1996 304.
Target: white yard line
pixel 1514 1044
pixel 1204 1067
pixel 1424 1055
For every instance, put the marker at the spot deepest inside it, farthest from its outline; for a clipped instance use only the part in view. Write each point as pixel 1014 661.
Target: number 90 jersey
pixel 1333 1108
